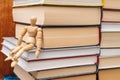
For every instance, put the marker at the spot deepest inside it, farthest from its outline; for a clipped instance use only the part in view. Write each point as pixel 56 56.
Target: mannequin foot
pixel 8 58
pixel 37 54
pixel 14 63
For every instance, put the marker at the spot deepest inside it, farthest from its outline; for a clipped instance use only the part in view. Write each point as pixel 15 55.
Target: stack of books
pixel 110 44
pixel 71 39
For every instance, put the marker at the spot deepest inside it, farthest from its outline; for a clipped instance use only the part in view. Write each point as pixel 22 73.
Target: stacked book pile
pixel 71 38
pixel 110 45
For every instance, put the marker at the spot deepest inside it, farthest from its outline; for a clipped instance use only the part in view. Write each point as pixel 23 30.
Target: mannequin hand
pixel 37 53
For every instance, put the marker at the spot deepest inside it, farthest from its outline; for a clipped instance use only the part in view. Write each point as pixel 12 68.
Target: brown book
pixel 109 74
pixel 84 77
pixel 58 15
pixel 110 15
pixel 66 37
pixel 63 72
pixel 110 39
pixel 112 4
pixel 109 62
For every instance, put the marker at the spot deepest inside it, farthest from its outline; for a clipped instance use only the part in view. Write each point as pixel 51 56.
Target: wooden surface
pixel 7 28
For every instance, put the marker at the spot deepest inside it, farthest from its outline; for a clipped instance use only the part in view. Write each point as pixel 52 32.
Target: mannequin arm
pixel 38 42
pixel 21 36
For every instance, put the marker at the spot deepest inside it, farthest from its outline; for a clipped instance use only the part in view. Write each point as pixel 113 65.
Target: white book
pixel 10 42
pixel 59 2
pixel 110 52
pixel 110 27
pixel 35 65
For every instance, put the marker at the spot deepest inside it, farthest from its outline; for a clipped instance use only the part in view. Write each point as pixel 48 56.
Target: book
pixel 110 15
pixel 33 65
pixel 22 74
pixel 64 72
pixel 110 52
pixel 10 42
pixel 58 15
pixel 109 27
pixel 84 77
pixel 67 36
pixel 109 74
pixel 110 39
pixel 112 4
pixel 109 62
pixel 55 73
pixel 58 2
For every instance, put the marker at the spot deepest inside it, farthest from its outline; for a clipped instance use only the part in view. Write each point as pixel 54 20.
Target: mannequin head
pixel 33 20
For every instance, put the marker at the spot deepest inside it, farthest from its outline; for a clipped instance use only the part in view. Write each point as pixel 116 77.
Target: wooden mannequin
pixel 34 38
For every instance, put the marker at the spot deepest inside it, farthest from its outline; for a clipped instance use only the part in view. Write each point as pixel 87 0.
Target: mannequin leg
pixel 15 50
pixel 20 52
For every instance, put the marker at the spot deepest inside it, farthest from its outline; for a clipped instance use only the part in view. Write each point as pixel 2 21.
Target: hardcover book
pixel 57 15
pixel 109 62
pixel 10 42
pixel 25 75
pixel 111 4
pixel 110 15
pixel 109 74
pixel 110 39
pixel 64 72
pixel 41 64
pixel 67 36
pixel 110 27
pixel 110 52
pixel 59 2
pixel 56 73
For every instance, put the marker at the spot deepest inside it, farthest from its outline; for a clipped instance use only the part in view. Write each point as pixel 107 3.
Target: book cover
pixel 18 3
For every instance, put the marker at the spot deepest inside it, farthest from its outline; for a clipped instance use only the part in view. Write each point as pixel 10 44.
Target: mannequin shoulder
pixel 39 29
